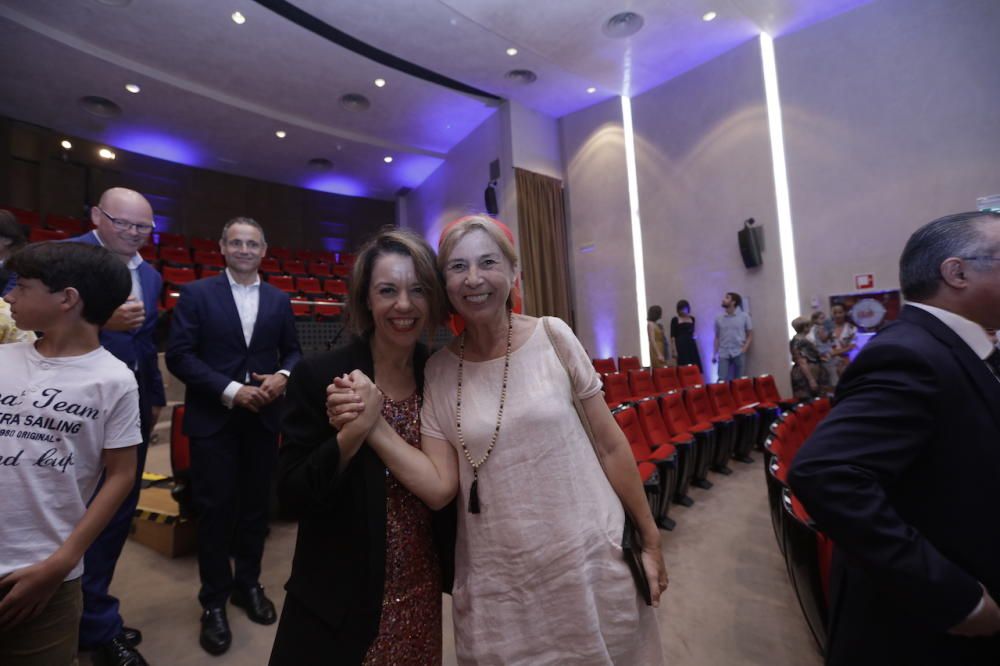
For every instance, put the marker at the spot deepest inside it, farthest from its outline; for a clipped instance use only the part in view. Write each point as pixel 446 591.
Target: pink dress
pixel 540 576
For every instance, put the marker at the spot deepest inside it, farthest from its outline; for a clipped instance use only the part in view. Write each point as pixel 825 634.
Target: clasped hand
pixel 255 397
pixel 129 316
pixel 353 398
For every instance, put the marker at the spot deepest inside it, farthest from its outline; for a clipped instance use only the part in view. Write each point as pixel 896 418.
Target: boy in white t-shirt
pixel 68 411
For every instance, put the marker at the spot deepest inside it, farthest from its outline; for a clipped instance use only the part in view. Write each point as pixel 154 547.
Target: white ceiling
pixel 214 93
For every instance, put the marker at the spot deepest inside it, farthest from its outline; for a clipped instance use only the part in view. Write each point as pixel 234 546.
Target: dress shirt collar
pixel 234 283
pixel 970 332
pixel 133 262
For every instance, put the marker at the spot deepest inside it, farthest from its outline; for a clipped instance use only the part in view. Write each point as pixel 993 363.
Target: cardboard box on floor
pixel 158 524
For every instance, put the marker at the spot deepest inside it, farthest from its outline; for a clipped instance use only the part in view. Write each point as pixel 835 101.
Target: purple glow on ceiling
pixel 153 143
pixel 333 244
pixel 414 169
pixel 336 184
pixel 807 14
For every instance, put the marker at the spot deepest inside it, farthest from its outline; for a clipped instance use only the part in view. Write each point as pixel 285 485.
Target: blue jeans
pixel 731 366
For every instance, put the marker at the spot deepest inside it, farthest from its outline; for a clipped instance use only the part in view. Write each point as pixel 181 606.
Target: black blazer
pixel 904 475
pixel 207 350
pixel 338 571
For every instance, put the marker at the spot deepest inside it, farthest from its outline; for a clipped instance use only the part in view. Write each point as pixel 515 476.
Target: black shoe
pixel 258 607
pixel 132 636
pixel 215 635
pixel 118 652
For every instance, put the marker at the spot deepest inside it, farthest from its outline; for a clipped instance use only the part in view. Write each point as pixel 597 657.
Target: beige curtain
pixel 541 220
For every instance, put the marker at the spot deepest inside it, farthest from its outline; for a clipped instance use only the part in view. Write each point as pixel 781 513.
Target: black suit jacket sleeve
pixel 884 420
pixel 183 358
pixel 308 476
pixel 289 351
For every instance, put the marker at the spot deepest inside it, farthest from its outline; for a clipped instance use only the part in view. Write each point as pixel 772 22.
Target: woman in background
pixel 844 337
pixel 658 352
pixel 809 376
pixel 682 340
pixel 370 559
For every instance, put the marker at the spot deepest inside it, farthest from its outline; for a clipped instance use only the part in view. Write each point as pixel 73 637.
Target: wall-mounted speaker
pixel 490 199
pixel 751 240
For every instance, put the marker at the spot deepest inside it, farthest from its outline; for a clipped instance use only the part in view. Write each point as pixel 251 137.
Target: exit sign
pixel 864 281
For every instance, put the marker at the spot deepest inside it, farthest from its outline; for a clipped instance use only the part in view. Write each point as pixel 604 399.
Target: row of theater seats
pixel 806 549
pixel 678 428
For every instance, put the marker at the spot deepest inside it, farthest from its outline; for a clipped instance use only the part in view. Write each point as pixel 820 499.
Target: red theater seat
pixel 285 283
pixel 626 363
pixel 767 392
pixel 746 420
pixel 327 310
pixel 640 383
pixel 604 366
pixel 209 258
pixel 177 275
pixel 341 271
pixel 180 461
pixel 690 375
pixel 204 245
pixel 678 421
pixel 294 266
pixel 700 408
pixel 664 457
pixel 616 390
pixel 665 379
pixel 657 434
pixel 335 287
pixel 166 239
pixel 807 555
pixel 71 225
pixel 38 235
pixel 281 253
pixel 270 265
pixel 149 253
pixel 309 286
pixel 302 309
pixel 745 396
pixel 347 259
pixel 176 256
pixel 319 269
pixel 170 298
pixel 208 271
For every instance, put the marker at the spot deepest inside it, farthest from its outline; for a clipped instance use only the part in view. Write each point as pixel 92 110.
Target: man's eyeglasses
pixel 125 225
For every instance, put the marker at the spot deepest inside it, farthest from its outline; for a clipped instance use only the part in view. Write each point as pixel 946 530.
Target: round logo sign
pixel 868 313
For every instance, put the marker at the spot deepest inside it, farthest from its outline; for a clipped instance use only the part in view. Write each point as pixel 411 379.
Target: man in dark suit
pixel 904 474
pixel 233 344
pixel 123 222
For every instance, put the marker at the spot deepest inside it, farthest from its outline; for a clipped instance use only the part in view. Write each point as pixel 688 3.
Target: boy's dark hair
pixel 102 280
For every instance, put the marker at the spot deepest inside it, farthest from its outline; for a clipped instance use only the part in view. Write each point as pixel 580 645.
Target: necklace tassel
pixel 474 496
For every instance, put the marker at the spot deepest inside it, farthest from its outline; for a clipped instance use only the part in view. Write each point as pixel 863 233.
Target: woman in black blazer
pixel 370 559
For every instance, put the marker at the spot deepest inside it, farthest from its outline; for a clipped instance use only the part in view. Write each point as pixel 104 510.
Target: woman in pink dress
pixel 540 575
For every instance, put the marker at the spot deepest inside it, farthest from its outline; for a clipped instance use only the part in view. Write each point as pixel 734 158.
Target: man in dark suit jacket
pixel 123 222
pixel 233 344
pixel 904 474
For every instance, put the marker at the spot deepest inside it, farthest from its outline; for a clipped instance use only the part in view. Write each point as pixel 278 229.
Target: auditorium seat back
pixel 270 265
pixel 604 366
pixel 177 256
pixel 616 388
pixel 690 375
pixel 283 282
pixel 641 383
pixel 308 285
pixel 626 363
pixel 326 310
pixel 204 245
pixel 335 287
pixel 38 235
pixel 698 404
pixel 177 275
pixel 167 239
pixel 665 379
pixel 294 266
pixel 743 393
pixel 651 421
pixel 675 414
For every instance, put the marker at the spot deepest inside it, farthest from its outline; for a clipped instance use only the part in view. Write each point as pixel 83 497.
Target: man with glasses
pixel 233 343
pixel 904 473
pixel 123 222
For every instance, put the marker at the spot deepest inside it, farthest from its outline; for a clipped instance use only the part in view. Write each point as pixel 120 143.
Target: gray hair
pixel 244 220
pixel 958 235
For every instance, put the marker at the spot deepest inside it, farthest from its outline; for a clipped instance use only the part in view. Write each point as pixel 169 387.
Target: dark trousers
pixel 231 474
pixel 101 620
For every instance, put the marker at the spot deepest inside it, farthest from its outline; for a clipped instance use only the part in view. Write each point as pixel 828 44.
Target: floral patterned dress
pixel 409 631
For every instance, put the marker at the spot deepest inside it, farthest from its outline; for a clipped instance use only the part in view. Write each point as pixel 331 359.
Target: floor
pixel 729 600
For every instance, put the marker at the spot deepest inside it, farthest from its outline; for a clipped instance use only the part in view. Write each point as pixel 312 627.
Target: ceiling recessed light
pixel 65 143
pixel 281 134
pixel 387 159
pixel 521 76
pixel 379 83
pixel 622 25
pixel 591 90
pixel 101 107
pixel 320 164
pixel 355 102
pixel 238 18
pixel 106 154
pixel 709 16
pixel 512 51
pixel 132 88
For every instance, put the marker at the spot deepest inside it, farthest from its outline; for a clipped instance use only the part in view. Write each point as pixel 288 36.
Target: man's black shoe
pixel 118 652
pixel 258 607
pixel 132 636
pixel 215 635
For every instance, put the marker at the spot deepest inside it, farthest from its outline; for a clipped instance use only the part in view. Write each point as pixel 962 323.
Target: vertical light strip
pixel 633 204
pixel 785 239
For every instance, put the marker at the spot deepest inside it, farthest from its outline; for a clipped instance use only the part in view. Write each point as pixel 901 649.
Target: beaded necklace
pixel 474 490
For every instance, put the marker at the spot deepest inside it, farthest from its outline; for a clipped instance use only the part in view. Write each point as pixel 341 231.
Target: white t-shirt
pixel 56 417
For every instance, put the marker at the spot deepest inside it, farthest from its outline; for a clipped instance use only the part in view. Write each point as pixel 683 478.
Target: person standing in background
pixel 844 337
pixel 658 351
pixel 683 343
pixel 233 343
pixel 123 222
pixel 12 238
pixel 820 334
pixel 733 335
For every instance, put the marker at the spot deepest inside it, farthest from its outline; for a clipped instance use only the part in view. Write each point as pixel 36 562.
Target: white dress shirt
pixel 247 299
pixel 133 269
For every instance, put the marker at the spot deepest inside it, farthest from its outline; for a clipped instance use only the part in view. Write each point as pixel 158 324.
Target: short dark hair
pixel 249 221
pixel 957 235
pixel 102 280
pixel 655 312
pixel 10 228
pixel 735 298
pixel 393 240
pixel 682 305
